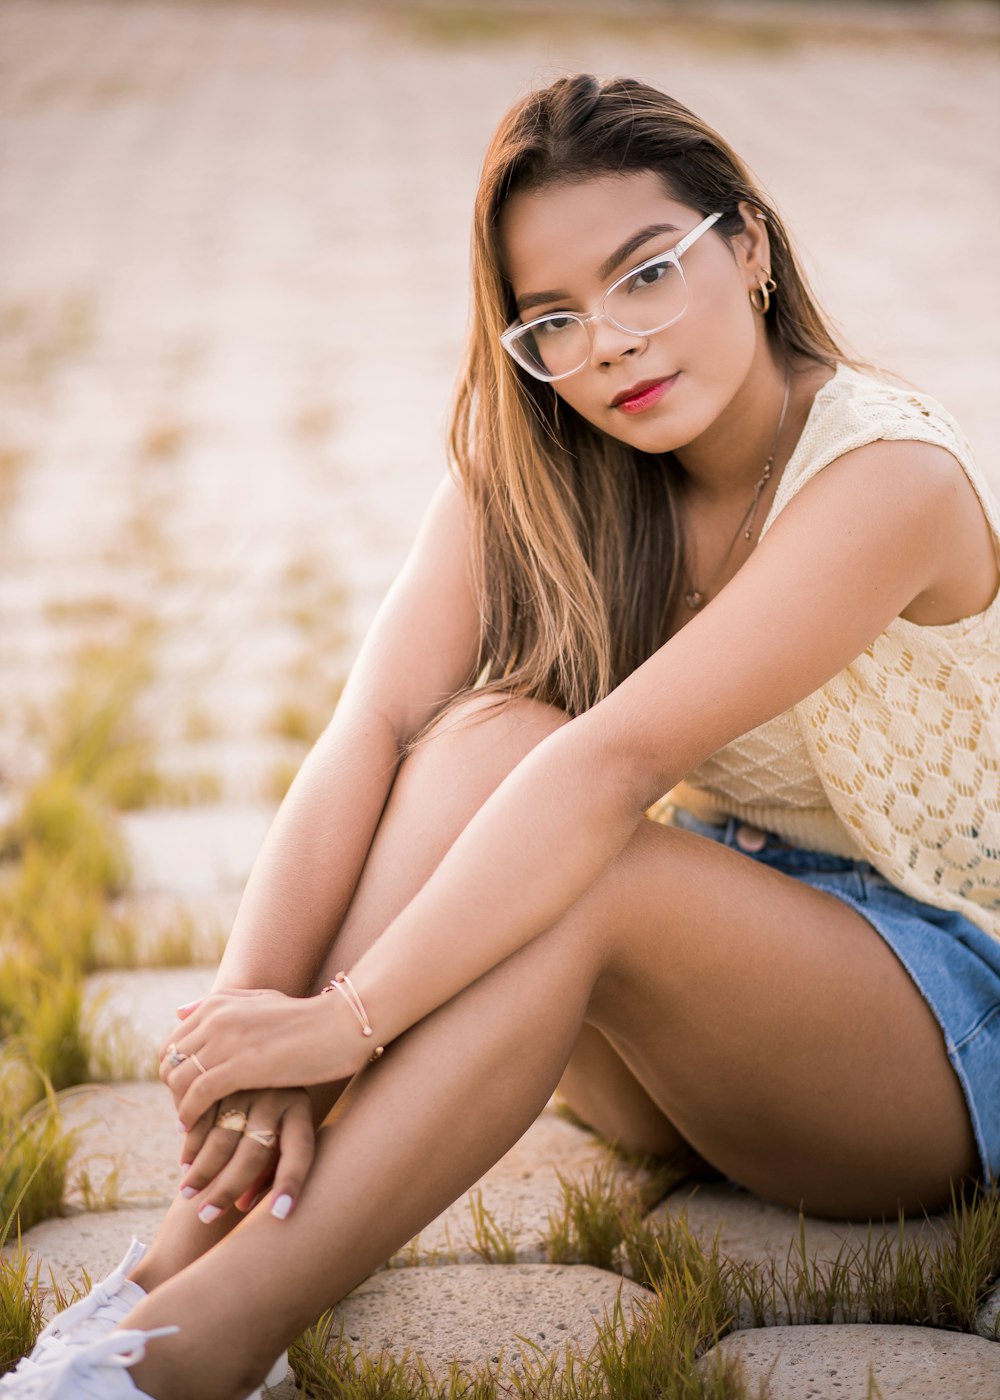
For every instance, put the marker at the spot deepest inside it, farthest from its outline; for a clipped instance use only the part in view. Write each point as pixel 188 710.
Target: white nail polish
pixel 188 1192
pixel 209 1213
pixel 281 1208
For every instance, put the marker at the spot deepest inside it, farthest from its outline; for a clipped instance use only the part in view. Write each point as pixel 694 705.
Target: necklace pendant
pixel 694 599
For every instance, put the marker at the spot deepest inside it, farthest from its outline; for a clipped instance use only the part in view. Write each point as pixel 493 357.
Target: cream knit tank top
pixel 896 760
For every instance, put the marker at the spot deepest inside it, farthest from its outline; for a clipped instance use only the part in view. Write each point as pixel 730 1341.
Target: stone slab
pixel 753 1230
pixel 988 1317
pixel 127 1145
pixel 482 1315
pixel 835 1363
pixel 132 1011
pixel 167 926
pixel 522 1190
pixel 784 1247
pixel 195 850
pixel 93 1243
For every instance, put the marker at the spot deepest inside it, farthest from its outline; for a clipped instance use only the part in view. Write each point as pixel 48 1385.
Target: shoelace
pixel 103 1296
pixel 49 1377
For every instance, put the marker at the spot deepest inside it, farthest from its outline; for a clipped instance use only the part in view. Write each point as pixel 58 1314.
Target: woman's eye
pixel 649 276
pixel 554 325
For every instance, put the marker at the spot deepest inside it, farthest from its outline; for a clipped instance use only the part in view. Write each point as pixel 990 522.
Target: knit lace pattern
pixel 896 759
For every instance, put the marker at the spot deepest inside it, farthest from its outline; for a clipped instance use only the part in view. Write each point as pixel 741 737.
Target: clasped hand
pixel 235 1065
pixel 254 1039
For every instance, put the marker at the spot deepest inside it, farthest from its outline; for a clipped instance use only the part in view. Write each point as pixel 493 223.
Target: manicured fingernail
pixel 281 1208
pixel 209 1213
pixel 187 1006
pixel 185 1167
pixel 188 1191
pixel 181 1127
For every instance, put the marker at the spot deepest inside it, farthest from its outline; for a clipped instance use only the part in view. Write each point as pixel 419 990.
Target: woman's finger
pixel 220 1147
pixel 253 1193
pixel 192 1013
pixel 211 1087
pixel 298 1147
pixel 198 1136
pixel 194 1138
pixel 246 1166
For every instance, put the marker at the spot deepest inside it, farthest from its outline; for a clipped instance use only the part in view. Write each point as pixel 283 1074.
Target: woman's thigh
pixel 774 1029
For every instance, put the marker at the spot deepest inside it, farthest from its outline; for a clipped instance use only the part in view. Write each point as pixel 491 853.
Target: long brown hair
pixel 578 550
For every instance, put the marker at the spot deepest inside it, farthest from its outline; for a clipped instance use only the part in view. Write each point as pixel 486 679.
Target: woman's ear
pixel 751 245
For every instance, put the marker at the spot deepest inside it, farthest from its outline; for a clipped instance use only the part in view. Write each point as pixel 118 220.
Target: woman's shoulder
pixel 857 407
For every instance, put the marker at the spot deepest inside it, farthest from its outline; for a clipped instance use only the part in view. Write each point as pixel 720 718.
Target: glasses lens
pixel 649 298
pixel 553 346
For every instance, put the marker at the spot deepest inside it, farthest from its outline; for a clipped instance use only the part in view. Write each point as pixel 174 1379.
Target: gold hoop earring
pixel 763 290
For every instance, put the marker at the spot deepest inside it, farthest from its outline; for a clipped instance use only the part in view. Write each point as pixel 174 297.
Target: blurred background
pixel 233 290
pixel 233 252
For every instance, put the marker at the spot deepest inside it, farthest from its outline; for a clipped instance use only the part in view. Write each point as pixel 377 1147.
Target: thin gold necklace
pixel 695 597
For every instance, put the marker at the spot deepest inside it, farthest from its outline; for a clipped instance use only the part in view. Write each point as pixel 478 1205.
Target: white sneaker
pixel 107 1305
pixel 94 1370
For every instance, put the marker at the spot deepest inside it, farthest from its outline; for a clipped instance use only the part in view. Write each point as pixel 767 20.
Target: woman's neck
pixel 726 462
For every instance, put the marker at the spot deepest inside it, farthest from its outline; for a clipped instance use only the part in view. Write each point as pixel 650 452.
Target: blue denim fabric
pixel 955 965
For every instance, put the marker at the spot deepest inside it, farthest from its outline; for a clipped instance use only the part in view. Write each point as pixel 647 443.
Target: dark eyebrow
pixel 606 268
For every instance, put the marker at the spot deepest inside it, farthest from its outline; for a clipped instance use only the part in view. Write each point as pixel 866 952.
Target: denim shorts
pixel 955 964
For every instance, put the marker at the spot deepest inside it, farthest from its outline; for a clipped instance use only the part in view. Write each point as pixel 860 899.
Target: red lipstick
pixel 642 395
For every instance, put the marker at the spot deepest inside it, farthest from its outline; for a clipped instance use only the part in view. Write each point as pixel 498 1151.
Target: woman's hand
pixel 238 1039
pixel 236 1149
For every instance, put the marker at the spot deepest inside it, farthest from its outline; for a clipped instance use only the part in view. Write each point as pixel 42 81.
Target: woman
pixel 687 547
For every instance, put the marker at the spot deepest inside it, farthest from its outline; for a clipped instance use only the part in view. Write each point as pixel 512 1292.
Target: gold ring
pixel 175 1057
pixel 195 1060
pixel 232 1120
pixel 265 1136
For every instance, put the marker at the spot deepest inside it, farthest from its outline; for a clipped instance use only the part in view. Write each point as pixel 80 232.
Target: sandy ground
pixel 233 259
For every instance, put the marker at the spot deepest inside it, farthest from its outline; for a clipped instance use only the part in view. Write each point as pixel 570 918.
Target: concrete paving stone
pixel 860 1361
pixel 988 1316
pixel 132 1010
pixel 94 1243
pixel 753 1230
pixel 772 1239
pixel 197 923
pixel 127 1144
pixel 480 1314
pixel 523 1189
pixel 194 850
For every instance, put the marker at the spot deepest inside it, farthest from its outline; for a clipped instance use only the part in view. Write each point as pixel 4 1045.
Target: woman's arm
pixel 873 531
pixel 421 647
pixel 847 555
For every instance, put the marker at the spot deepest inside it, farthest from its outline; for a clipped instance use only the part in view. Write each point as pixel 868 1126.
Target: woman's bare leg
pixel 436 793
pixel 727 989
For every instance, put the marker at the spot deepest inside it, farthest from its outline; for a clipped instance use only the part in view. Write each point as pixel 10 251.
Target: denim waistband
pixel 774 850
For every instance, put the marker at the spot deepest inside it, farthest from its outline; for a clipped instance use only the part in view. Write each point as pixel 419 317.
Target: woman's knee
pixel 491 728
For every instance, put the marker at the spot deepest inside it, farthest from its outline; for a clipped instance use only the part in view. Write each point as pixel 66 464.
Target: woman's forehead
pixel 574 226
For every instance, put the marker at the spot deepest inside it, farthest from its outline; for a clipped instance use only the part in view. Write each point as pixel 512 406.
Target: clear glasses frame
pixel 519 329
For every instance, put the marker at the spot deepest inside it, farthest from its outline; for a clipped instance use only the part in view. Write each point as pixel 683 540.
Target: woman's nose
pixel 609 342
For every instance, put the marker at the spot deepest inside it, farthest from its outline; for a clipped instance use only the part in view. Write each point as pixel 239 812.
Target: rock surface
pixel 92 1244
pixel 834 1363
pixel 988 1317
pixel 523 1190
pixel 132 1011
pixel 127 1145
pixel 752 1230
pixel 481 1315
